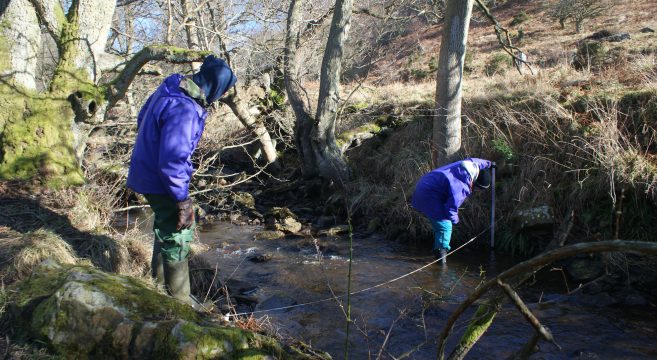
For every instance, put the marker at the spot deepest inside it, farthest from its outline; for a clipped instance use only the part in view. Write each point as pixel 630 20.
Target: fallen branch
pixel 545 333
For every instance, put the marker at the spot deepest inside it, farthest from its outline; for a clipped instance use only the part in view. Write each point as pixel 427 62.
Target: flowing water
pixel 402 318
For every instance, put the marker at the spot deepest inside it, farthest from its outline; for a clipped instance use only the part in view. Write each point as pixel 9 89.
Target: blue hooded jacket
pixel 170 125
pixel 439 193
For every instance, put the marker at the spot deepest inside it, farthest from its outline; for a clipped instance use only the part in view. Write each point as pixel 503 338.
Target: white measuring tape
pixel 361 290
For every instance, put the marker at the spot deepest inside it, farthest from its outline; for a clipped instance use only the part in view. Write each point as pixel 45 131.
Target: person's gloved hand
pixel 185 214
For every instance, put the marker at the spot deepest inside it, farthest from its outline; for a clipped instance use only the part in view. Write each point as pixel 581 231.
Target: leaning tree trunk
pixel 235 99
pixel 447 123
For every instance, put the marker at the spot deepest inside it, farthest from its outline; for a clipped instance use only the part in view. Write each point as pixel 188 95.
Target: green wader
pixel 170 248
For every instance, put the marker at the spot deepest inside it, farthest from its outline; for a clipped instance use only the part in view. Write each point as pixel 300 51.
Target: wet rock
pixel 83 313
pixel 536 217
pixel 269 235
pixel 282 219
pixel 259 258
pixel 336 230
pixel 646 30
pixel 584 269
pixel 236 286
pixel 275 302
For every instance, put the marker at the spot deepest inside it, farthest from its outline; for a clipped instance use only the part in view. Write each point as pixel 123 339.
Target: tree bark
pixel 189 23
pixel 253 124
pixel 447 123
pixel 315 137
pixel 43 134
pixel 21 39
pixel 330 163
pixel 304 123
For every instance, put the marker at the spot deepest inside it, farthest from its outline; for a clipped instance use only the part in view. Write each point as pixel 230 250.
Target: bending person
pixel 439 193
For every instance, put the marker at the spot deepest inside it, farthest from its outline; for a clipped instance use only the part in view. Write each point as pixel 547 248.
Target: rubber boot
pixel 176 279
pixel 157 264
pixel 443 257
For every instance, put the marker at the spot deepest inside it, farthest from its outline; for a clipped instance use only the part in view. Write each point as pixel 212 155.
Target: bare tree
pixel 449 82
pixel 44 132
pixel 315 135
pixel 235 99
pixel 578 10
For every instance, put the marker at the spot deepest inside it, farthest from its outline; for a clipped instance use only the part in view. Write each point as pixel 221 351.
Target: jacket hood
pixel 215 78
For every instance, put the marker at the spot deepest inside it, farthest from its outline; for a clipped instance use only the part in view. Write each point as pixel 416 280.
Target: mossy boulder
pixel 81 312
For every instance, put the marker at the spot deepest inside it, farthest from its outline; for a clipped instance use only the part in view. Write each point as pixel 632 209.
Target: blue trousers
pixel 442 231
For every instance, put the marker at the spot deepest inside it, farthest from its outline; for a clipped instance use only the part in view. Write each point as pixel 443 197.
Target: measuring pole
pixel 492 209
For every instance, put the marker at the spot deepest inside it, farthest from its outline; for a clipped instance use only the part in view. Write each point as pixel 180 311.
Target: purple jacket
pixel 439 193
pixel 170 125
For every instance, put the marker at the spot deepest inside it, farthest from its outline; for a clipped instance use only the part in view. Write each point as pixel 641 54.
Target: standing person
pixel 439 193
pixel 170 124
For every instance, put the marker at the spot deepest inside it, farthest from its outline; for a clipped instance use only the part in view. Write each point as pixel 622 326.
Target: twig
pixel 392 325
pixel 524 310
pixel 131 208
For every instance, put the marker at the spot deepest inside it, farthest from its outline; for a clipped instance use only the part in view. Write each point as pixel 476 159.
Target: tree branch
pixel 504 39
pixel 545 333
pixel 536 263
pixel 49 11
pixel 118 87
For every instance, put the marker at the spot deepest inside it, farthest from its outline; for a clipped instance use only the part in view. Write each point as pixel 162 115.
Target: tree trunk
pixel 330 163
pixel 43 134
pixel 191 31
pixel 447 123
pixel 315 137
pixel 253 124
pixel 304 122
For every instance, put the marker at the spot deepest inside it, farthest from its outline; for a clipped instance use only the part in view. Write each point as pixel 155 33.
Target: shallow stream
pixel 407 314
pixel 401 319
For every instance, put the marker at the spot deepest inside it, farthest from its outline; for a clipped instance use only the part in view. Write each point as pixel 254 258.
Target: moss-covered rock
pixel 82 313
pixel 282 219
pixel 269 235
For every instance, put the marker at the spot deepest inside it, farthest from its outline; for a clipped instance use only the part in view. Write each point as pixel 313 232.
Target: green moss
pixel 346 136
pixel 497 63
pixel 356 107
pixel 148 304
pixel 480 322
